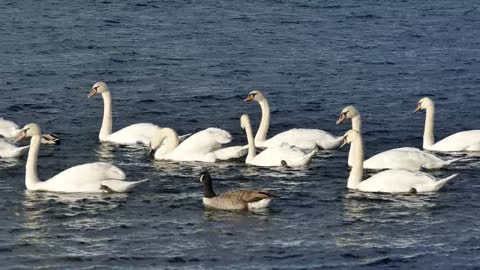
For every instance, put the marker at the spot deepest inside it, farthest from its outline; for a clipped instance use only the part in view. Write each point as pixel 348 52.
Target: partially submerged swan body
pixel 10 130
pixel 233 200
pixel 409 158
pixel 97 177
pixel 282 155
pixel 458 142
pixel 203 146
pixel 141 133
pixel 301 138
pixel 390 181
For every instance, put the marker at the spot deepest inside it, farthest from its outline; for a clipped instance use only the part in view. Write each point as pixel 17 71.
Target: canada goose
pixel 233 200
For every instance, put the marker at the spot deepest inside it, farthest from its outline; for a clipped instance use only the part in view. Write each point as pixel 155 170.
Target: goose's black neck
pixel 207 187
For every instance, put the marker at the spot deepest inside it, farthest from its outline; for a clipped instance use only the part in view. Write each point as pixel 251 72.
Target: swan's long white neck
pixel 106 128
pixel 251 144
pixel 357 126
pixel 428 138
pixel 356 174
pixel 31 176
pixel 261 135
pixel 168 139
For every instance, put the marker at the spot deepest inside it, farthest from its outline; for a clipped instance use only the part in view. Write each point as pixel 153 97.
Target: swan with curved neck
pixel 301 138
pixel 398 158
pixel 87 178
pixel 204 146
pixel 283 155
pixel 141 133
pixel 11 131
pixel 390 181
pixel 458 142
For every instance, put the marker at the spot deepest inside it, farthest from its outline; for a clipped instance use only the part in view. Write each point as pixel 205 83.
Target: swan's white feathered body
pixel 141 133
pixel 8 150
pixel 282 155
pixel 8 129
pixel 297 137
pixel 204 146
pixel 391 181
pixel 408 158
pixel 402 181
pixel 303 138
pixel 458 142
pixel 87 178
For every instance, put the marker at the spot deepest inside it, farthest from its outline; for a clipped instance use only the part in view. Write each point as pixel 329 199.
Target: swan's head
pixel 205 177
pixel 348 112
pixel 349 137
pixel 29 130
pixel 98 88
pixel 255 95
pixel 244 121
pixel 424 104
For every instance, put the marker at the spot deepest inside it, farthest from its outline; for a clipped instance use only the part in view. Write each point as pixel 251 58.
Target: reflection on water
pixel 370 219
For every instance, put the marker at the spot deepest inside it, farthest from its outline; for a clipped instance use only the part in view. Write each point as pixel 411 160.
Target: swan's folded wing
pixel 8 129
pixel 8 150
pixel 231 152
pixel 141 133
pixel 461 141
pixel 204 141
pixel 305 139
pixel 396 181
pixel 88 173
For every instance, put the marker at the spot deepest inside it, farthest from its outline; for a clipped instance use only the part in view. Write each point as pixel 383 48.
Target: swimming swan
pixel 461 141
pixel 10 130
pixel 87 178
pixel 141 133
pixel 282 155
pixel 409 158
pixel 298 137
pixel 390 181
pixel 202 146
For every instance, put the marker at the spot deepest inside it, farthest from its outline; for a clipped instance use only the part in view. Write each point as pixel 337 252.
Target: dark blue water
pixel 187 65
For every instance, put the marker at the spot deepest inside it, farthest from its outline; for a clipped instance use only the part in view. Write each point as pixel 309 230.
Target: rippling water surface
pixel 187 65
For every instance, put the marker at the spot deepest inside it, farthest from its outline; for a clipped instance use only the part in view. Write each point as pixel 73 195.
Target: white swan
pixel 461 141
pixel 8 150
pixel 10 130
pixel 301 138
pixel 87 178
pixel 282 155
pixel 409 158
pixel 391 181
pixel 202 146
pixel 134 134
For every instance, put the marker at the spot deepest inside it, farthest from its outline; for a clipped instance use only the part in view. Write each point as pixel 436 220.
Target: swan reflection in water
pixel 47 213
pixel 380 220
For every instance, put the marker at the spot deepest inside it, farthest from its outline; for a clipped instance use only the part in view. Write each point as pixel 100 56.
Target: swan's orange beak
pixel 250 97
pixel 341 118
pixel 93 92
pixel 22 136
pixel 418 108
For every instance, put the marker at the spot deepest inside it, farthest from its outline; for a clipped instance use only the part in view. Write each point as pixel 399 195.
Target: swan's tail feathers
pixel 439 184
pixel 448 162
pixel 120 186
pixel 302 161
pixel 183 137
pixel 232 152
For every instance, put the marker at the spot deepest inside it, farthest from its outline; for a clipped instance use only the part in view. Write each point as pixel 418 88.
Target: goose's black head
pixel 206 179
